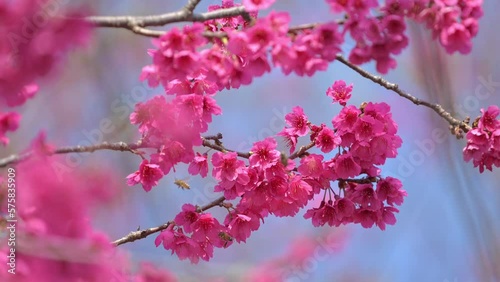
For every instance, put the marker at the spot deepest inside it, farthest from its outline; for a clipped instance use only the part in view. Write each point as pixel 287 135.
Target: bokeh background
pixel 447 230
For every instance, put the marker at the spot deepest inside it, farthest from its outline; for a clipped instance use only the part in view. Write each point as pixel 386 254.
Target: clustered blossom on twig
pixel 270 183
pixel 483 141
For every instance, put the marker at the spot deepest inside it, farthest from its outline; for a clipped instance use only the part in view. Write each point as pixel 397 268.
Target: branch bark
pixel 395 88
pixel 118 146
pixel 184 15
pixel 141 234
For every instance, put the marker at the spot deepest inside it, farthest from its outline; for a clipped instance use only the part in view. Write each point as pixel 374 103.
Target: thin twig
pixel 220 148
pixel 365 180
pixel 302 27
pixel 147 32
pixel 301 151
pixel 141 234
pixel 191 5
pixel 118 146
pixel 218 136
pixel 184 15
pixel 395 88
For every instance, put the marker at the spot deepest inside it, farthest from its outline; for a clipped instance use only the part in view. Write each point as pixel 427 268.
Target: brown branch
pixel 146 32
pixel 141 234
pixel 365 180
pixel 216 137
pixel 184 15
pixel 395 88
pixel 118 146
pixel 301 151
pixel 191 5
pixel 137 24
pixel 302 27
pixel 219 147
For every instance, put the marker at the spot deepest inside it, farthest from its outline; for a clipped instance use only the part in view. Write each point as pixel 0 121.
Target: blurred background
pixel 448 227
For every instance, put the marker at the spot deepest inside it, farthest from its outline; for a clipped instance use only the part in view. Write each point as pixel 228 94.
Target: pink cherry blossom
pixel 311 166
pixel 260 36
pixel 298 191
pixel 340 92
pixel 325 214
pixel 199 165
pixel 145 113
pixel 148 175
pixel 180 244
pixel 298 122
pixel 495 143
pixel 389 189
pixel 188 216
pixel 367 127
pixel 241 225
pixel 488 120
pixel 206 227
pixel 226 166
pixel 290 138
pixel 346 167
pixel 346 119
pixel 171 153
pixel 283 55
pixel 456 38
pixel 386 216
pixel 326 140
pixel 254 5
pixel 365 196
pixel 264 153
pixel 366 217
pixel 231 23
pixel 483 142
pixel 345 209
pixel 210 108
pixel 8 122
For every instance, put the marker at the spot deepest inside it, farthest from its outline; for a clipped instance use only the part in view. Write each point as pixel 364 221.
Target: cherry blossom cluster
pixel 34 37
pixel 206 230
pixel 272 182
pixel 8 122
pixel 379 30
pixel 174 127
pixel 55 240
pixel 483 141
pixel 454 22
pixel 248 49
pixel 242 55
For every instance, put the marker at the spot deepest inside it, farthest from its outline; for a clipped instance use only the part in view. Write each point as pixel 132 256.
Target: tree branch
pixel 301 151
pixel 217 145
pixel 118 146
pixel 395 88
pixel 184 15
pixel 191 5
pixel 141 234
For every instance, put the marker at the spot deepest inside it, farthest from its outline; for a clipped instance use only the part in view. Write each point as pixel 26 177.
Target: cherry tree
pixel 330 173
